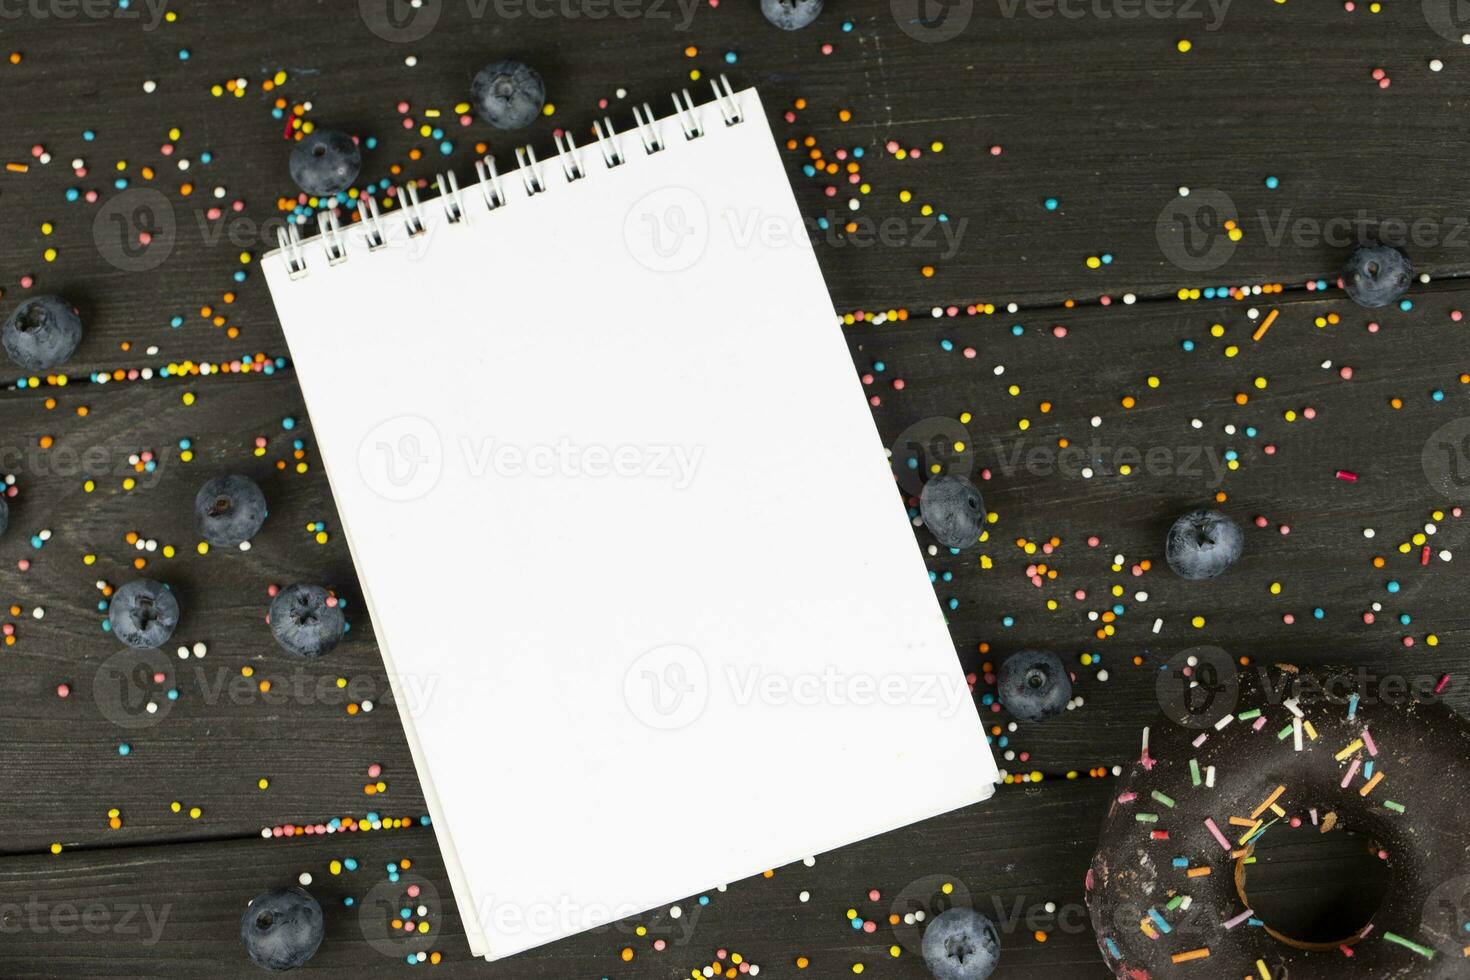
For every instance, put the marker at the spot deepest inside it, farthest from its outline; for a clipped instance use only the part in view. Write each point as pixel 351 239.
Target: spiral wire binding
pixel 331 232
pixel 571 160
pixel 415 223
pixel 647 131
pixel 453 204
pixel 607 142
pixel 492 190
pixel 490 187
pixel 530 172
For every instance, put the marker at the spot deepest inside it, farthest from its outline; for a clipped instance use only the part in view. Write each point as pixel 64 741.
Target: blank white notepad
pixel 653 613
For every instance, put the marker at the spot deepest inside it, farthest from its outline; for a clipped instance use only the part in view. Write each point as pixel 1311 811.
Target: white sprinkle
pixel 305 878
pixel 1436 65
pixel 200 649
pixel 1129 299
pixel 38 613
pixel 1368 532
pixel 1158 624
pixel 367 706
pixel 150 86
pixel 810 862
pixel 411 60
pixel 1183 191
pixel 675 912
pixel 804 897
pixel 1050 907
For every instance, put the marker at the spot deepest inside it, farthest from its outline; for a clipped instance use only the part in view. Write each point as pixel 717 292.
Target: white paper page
pixel 653 612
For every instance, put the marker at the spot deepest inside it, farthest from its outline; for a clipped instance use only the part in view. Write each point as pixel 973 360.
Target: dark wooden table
pixel 1101 112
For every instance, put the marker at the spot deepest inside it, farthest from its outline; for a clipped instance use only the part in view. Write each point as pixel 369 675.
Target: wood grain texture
pixel 1103 114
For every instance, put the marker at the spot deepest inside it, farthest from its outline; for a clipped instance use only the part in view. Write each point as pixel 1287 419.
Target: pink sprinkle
pixel 374 771
pixel 1232 923
pixel 870 926
pixel 826 49
pixel 970 353
pixel 1345 373
pixel 658 944
pixel 1368 741
pixel 1347 475
pixel 1456 315
pixel 1215 832
pixel 1127 797
pixel 1261 521
pixel 1260 723
pixel 413 891
pixel 1378 73
pixel 1372 327
pixel 1284 529
pixel 1200 739
pixel 1270 449
pixel 1442 682
pixel 24 565
pixel 63 690
pixel 1368 618
pixel 1288 619
pixel 331 602
pixel 1352 771
pixel 995 150
pixel 1059 331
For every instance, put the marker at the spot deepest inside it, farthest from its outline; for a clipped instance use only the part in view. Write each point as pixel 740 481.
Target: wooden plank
pixel 175 910
pixel 1039 491
pixel 1112 146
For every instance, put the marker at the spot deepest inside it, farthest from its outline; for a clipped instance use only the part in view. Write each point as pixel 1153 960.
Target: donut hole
pixel 1314 890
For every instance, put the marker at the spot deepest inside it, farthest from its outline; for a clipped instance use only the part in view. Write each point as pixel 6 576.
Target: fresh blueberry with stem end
pixel 143 614
pixel 1202 544
pixel 306 620
pixel 42 333
pixel 326 162
pixel 961 944
pixel 282 928
pixel 231 510
pixel 1377 275
pixel 1034 685
pixel 509 94
pixel 953 510
pixel 791 15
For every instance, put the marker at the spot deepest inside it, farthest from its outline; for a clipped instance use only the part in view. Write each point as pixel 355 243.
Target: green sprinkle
pixel 1395 807
pixel 1423 951
pixel 1194 771
pixel 1174 903
pixel 1163 799
pixel 1146 817
pixel 1285 733
pixel 1248 715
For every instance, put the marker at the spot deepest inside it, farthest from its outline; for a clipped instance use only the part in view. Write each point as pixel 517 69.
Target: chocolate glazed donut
pixel 1330 748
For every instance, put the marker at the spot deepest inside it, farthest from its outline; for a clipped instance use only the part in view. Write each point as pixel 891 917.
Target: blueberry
pixel 143 614
pixel 508 94
pixel 42 333
pixel 1202 544
pixel 325 162
pixel 306 621
pixel 282 928
pixel 791 15
pixel 1034 685
pixel 961 944
pixel 1376 275
pixel 953 510
pixel 231 509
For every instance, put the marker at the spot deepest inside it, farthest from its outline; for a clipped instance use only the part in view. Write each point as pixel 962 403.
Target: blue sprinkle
pixel 1406 305
pixel 183 54
pixel 1319 613
pixel 1107 258
pixel 124 749
pixel 1437 395
pixel 88 135
pixel 879 366
pixel 1050 204
pixel 946 345
pixel 1393 586
pixel 1272 183
pixel 1008 621
pixel 731 57
pixel 1188 345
